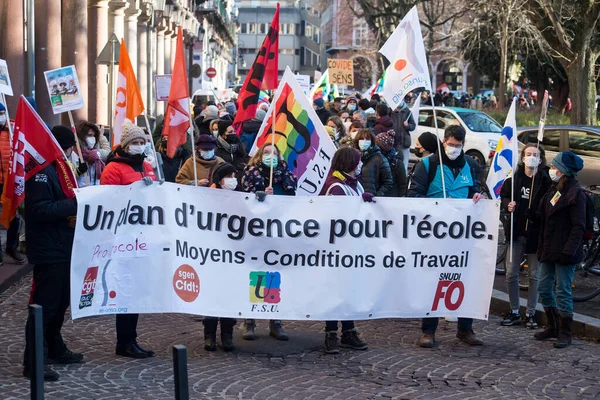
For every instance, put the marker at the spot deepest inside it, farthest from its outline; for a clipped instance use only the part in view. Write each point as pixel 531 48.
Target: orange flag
pixel 177 115
pixel 129 103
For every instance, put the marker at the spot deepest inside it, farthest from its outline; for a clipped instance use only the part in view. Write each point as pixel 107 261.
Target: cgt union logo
pixel 450 289
pixel 265 291
pixel 88 287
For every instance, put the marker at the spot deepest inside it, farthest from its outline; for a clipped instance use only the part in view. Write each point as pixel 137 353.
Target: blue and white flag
pixel 507 153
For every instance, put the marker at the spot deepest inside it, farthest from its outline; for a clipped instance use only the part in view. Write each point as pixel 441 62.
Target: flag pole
pixel 87 180
pixel 10 130
pixel 158 167
pixel 540 135
pixel 439 148
pixel 274 116
pixel 192 136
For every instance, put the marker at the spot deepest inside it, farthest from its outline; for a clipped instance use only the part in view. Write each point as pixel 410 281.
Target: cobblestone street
pixel 510 365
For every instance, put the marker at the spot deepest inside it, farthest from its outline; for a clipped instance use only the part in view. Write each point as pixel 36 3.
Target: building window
pixel 286 51
pixel 309 58
pixel 311 31
pixel 287 29
pixel 264 28
pixel 360 35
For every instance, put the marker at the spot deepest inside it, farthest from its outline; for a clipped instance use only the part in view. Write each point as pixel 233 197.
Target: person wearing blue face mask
pixel 256 179
pixel 206 163
pixel 376 176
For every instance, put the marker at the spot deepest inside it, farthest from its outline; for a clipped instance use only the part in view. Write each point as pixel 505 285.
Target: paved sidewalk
pixel 510 365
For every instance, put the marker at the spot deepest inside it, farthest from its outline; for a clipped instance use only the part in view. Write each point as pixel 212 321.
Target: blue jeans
pixel 429 325
pixel 512 276
pixel 561 276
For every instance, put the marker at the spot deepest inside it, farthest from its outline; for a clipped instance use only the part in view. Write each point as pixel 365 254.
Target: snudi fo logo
pixel 265 287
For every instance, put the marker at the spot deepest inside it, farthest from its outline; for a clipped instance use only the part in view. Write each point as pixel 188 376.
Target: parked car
pixel 483 132
pixel 581 140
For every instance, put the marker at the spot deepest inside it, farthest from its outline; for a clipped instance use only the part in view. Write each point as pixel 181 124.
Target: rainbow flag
pixel 379 86
pixel 322 88
pixel 299 135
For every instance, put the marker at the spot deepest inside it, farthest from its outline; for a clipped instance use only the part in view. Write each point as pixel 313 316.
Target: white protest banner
pixel 341 71
pixel 299 135
pixel 63 88
pixel 5 86
pixel 162 85
pixel 174 248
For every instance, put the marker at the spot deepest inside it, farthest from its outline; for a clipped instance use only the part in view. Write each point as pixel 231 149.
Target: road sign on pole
pixel 211 72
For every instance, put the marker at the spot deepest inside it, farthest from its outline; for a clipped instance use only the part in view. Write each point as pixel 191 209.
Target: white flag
pixel 507 153
pixel 408 68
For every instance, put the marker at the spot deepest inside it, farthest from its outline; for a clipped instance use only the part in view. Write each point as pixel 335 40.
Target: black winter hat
pixel 64 136
pixel 429 142
pixel 223 125
pixel 222 171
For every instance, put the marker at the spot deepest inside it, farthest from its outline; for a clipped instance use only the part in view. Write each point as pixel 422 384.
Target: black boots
pixel 551 331
pixel 564 331
pixel 210 333
pixel 276 330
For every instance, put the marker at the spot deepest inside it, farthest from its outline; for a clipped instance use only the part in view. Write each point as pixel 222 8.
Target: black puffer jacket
pixel 530 230
pixel 49 238
pixel 249 131
pixel 562 225
pixel 396 161
pixel 376 175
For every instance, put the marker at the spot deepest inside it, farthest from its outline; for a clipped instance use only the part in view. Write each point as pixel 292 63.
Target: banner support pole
pixel 274 116
pixel 192 137
pixel 158 166
pixel 439 147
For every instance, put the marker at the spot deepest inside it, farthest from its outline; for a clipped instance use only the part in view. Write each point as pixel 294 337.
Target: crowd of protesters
pixel 373 144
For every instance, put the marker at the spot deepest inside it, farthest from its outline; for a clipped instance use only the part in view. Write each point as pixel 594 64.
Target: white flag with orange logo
pixel 408 68
pixel 129 103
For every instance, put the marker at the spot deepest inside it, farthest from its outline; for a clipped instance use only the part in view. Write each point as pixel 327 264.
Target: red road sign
pixel 211 72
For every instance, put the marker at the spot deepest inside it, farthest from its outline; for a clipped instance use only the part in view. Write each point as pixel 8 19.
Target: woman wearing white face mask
pixel 85 131
pixel 376 176
pixel 206 163
pixel 532 170
pixel 124 166
pixel 89 141
pixel 562 219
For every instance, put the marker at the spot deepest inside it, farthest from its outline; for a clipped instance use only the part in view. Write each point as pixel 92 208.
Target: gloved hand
pixel 147 180
pixel 261 196
pixel 82 168
pixel 368 197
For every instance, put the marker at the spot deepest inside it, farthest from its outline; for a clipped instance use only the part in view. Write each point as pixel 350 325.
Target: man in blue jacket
pixel 461 176
pixel 50 230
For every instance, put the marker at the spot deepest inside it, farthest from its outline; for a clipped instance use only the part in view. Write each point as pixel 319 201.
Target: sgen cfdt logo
pixel 446 290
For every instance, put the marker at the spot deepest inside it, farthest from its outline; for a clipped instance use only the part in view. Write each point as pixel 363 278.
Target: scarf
pixel 91 157
pixel 231 148
pixel 65 177
pixel 256 177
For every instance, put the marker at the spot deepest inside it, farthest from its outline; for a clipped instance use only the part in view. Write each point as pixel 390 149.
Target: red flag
pixel 33 148
pixel 177 116
pixel 263 74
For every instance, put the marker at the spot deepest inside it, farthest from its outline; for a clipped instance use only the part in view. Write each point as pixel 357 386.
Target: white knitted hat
pixel 130 133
